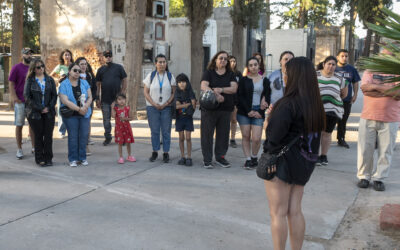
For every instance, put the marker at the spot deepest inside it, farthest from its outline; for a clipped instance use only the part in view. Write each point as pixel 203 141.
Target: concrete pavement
pixel 146 205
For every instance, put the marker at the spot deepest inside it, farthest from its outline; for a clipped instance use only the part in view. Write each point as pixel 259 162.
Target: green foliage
pixel 198 11
pixel 5 26
pixel 369 10
pixel 385 63
pixel 176 8
pixel 223 3
pixel 32 24
pixel 247 12
pixel 307 11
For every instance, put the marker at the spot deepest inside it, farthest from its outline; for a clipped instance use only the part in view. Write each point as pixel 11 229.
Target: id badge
pixel 160 100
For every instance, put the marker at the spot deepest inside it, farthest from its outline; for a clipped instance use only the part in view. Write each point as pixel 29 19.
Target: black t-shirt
pixel 221 81
pixel 110 76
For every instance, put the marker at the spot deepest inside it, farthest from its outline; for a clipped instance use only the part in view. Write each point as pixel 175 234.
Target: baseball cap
pixel 26 50
pixel 107 53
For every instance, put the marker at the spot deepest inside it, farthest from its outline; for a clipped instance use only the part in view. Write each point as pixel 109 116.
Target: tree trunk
pixel 135 22
pixel 237 38
pixel 197 55
pixel 376 44
pixel 237 45
pixel 367 44
pixel 268 15
pixel 302 16
pixel 17 31
pixel 353 16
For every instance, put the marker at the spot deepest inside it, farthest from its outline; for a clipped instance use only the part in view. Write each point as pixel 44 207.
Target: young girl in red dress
pixel 123 131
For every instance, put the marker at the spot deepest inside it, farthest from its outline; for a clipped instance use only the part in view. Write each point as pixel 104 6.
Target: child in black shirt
pixel 185 107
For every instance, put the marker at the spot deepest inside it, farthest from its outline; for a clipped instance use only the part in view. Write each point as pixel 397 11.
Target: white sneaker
pixel 84 163
pixel 19 154
pixel 90 141
pixel 73 164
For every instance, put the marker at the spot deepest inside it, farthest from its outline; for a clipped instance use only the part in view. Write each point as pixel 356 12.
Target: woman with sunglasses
pixel 60 72
pixel 219 79
pixel 41 96
pixel 75 94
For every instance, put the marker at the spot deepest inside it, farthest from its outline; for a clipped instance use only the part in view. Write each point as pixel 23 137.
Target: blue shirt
pixel 66 89
pixel 352 76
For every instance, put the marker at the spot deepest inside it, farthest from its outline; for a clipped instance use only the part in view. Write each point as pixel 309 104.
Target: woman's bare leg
pixel 256 133
pixel 296 221
pixel 326 139
pixel 245 129
pixel 278 193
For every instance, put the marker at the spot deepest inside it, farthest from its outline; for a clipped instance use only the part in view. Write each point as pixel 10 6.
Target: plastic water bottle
pixel 83 99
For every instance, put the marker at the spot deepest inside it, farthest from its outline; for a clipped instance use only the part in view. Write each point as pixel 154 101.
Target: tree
pixel 384 63
pixel 303 12
pixel 17 31
pixel 32 24
pixel 197 11
pixel 350 22
pixel 244 13
pixel 369 11
pixel 135 15
pixel 5 26
pixel 176 8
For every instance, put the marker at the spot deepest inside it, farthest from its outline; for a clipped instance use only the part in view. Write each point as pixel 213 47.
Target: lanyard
pixel 42 86
pixel 161 82
pixel 282 85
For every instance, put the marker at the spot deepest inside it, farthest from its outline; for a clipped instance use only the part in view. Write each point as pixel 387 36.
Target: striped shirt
pixel 329 88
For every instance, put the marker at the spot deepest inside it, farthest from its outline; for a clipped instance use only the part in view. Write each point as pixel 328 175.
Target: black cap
pixel 107 53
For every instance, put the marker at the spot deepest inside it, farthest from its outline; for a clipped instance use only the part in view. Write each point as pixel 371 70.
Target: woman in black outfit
pixel 298 112
pixel 220 79
pixel 238 76
pixel 41 97
pixel 253 98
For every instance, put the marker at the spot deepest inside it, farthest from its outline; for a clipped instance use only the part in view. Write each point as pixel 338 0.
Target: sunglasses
pixel 40 67
pixel 223 58
pixel 107 56
pixel 77 71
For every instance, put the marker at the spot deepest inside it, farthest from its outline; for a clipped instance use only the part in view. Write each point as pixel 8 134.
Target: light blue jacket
pixel 66 89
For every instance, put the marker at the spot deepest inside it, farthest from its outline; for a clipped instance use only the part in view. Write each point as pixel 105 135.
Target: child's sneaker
pixel 121 160
pixel 131 158
pixel 182 161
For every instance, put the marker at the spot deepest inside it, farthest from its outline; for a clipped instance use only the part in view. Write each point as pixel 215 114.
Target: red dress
pixel 123 130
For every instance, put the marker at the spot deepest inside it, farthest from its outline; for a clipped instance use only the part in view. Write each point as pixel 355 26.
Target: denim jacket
pixel 66 89
pixel 33 98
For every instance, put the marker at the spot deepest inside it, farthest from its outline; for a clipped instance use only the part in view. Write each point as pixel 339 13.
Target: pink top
pixel 384 109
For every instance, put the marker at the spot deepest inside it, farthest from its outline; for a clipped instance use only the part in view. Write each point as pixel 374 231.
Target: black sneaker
pixel 107 142
pixel 223 162
pixel 379 186
pixel 153 157
pixel 189 162
pixel 343 143
pixel 318 163
pixel 248 165
pixel 166 157
pixel 233 144
pixel 208 165
pixel 363 183
pixel 324 160
pixel 182 161
pixel 254 161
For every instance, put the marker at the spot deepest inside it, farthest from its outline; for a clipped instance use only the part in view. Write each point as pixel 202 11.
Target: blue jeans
pixel 106 111
pixel 160 120
pixel 78 132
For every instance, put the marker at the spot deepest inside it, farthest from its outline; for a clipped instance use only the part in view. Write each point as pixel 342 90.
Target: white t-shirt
pixel 155 88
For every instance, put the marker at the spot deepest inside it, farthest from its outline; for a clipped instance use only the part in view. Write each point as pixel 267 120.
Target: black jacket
pixel 245 95
pixel 33 98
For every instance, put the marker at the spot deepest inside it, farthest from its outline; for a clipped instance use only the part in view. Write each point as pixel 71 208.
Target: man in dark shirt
pixel 111 80
pixel 352 76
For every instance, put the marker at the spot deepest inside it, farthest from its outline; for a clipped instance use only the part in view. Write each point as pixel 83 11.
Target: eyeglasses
pixel 77 71
pixel 223 58
pixel 40 67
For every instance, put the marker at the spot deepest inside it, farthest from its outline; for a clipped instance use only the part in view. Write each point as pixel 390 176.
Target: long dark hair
pixel 302 93
pixel 327 59
pixel 188 92
pixel 32 67
pixel 89 69
pixel 61 59
pixel 261 62
pixel 213 65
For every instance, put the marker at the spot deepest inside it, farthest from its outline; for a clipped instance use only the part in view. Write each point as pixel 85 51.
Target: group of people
pixel 296 102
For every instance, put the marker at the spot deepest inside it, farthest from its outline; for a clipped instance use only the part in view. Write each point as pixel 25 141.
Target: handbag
pixel 66 112
pixel 268 161
pixel 208 100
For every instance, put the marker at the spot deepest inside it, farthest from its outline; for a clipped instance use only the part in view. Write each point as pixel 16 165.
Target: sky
pixel 359 30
